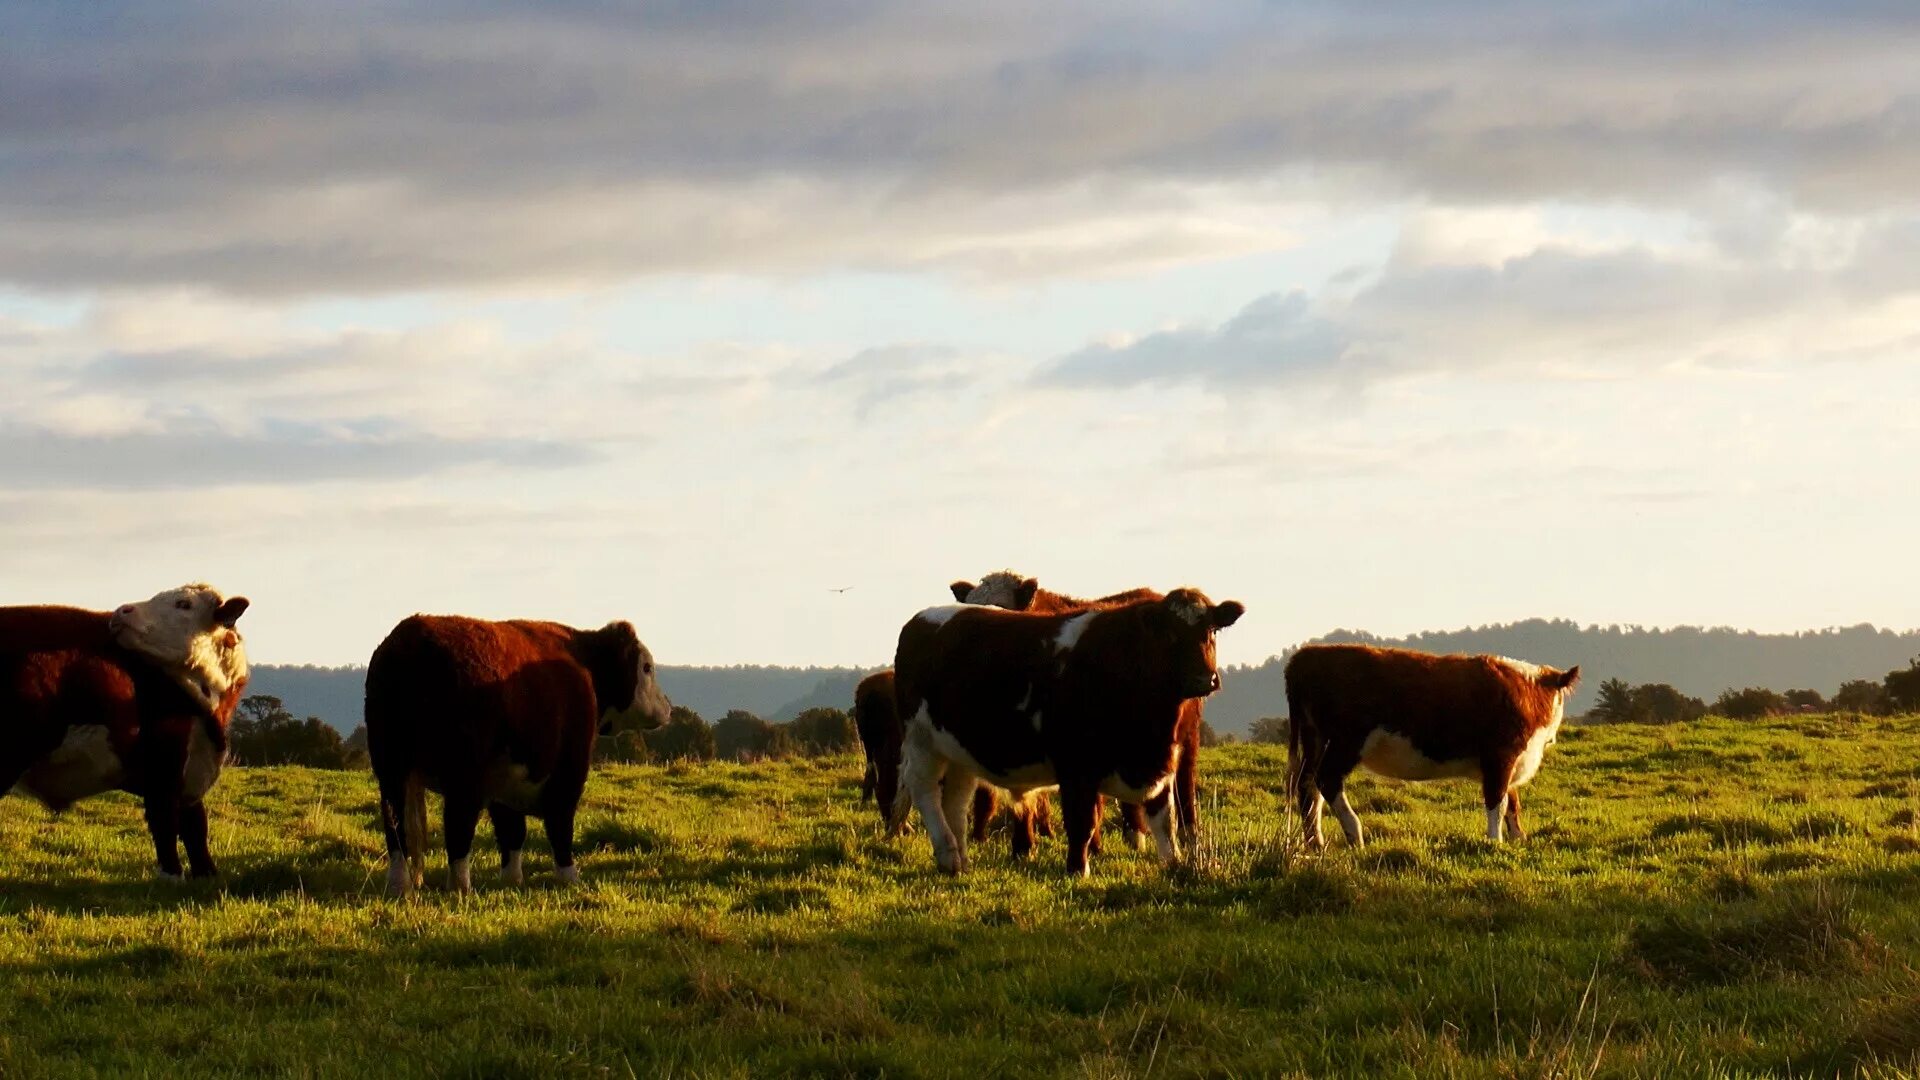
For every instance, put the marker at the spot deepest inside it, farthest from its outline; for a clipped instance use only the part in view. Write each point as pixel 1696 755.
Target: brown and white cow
pixel 499 716
pixel 137 700
pixel 1006 589
pixel 1416 716
pixel 1090 702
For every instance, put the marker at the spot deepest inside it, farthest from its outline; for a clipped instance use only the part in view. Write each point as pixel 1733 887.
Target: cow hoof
pixel 568 875
pixel 511 872
pixel 1137 841
pixel 168 875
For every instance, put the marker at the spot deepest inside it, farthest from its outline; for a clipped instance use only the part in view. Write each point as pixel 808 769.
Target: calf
pixel 499 716
pixel 136 700
pixel 1416 716
pixel 1090 701
pixel 1004 588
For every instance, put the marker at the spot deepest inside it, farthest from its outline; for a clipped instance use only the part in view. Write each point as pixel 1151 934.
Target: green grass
pixel 1720 899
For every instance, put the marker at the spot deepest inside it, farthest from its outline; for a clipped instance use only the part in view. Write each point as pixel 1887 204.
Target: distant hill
pixel 336 695
pixel 1701 662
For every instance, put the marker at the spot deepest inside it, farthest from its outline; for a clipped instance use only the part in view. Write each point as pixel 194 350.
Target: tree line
pixel 1657 703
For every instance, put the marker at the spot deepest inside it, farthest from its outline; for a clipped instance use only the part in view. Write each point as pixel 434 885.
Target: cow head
pixel 623 681
pixel 189 633
pixel 1187 622
pixel 1002 588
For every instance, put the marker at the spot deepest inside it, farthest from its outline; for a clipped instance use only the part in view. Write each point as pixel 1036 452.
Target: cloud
pixel 282 454
pixel 1274 338
pixel 276 150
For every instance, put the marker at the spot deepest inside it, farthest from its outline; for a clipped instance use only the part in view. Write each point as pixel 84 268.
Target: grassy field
pixel 1721 899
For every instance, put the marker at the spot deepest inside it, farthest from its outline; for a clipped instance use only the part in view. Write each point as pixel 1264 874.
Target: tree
pixel 1208 736
pixel 1614 703
pixel 684 737
pixel 263 732
pixel 1268 729
pixel 359 756
pixel 1806 701
pixel 1749 704
pixel 623 748
pixel 823 730
pixel 1861 696
pixel 1659 703
pixel 742 736
pixel 1903 688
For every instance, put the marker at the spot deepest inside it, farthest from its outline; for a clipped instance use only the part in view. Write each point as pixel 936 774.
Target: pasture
pixel 1718 899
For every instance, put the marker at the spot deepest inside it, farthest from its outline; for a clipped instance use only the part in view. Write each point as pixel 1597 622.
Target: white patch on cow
pixel 168 875
pixel 1161 824
pixel 1070 631
pixel 178 631
pixel 1118 788
pixel 568 875
pixel 1529 763
pixel 511 870
pixel 999 589
pixel 1191 611
pixel 1021 779
pixel 1390 753
pixel 461 872
pixel 398 879
pixel 83 764
pixel 1495 813
pixel 1349 821
pixel 922 768
pixel 939 616
pixel 203 763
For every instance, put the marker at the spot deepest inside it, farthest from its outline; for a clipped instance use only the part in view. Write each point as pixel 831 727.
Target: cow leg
pixel 163 824
pixel 1514 831
pixel 193 835
pixel 867 781
pixel 1186 796
pixel 1080 813
pixel 1331 779
pixel 393 819
pixel 886 789
pixel 1495 787
pixel 510 833
pixel 558 823
pixel 1302 763
pixel 1133 821
pixel 462 817
pixel 957 792
pixel 1024 809
pixel 985 803
pixel 1159 814
pixel 920 773
pixel 1042 814
pixel 1094 846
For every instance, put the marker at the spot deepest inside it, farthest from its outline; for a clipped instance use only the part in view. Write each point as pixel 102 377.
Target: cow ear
pixel 961 590
pixel 229 613
pixel 1561 679
pixel 1228 613
pixel 1024 593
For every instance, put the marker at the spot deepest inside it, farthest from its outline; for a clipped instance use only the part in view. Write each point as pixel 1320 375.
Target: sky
pixel 1394 316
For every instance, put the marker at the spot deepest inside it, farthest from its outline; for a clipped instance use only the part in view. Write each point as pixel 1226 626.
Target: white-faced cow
pixel 1090 702
pixel 1006 589
pixel 499 716
pixel 137 700
pixel 1415 716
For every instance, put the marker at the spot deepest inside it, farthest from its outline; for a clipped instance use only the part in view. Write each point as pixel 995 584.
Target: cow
pixel 1004 588
pixel 1088 701
pixel 1416 716
pixel 499 716
pixel 137 699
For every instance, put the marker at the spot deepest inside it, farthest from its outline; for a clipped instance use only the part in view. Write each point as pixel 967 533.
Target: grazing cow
pixel 137 700
pixel 1416 716
pixel 1090 702
pixel 499 716
pixel 1004 588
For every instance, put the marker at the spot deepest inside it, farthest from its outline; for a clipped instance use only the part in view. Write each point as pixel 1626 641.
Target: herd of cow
pixel 1011 690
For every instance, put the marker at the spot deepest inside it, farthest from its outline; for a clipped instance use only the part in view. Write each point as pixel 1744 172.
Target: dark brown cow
pixel 1088 701
pixel 1006 589
pixel 1416 716
pixel 135 700
pixel 498 716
